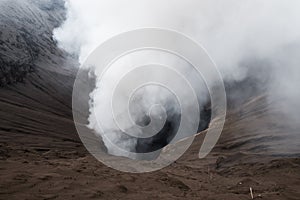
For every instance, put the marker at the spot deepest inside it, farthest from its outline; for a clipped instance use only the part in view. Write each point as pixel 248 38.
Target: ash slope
pixel 42 158
pixel 36 78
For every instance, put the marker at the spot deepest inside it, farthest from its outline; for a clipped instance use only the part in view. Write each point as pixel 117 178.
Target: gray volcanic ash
pixel 36 77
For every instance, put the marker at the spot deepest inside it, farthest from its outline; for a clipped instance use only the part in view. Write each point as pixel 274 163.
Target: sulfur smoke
pixel 235 34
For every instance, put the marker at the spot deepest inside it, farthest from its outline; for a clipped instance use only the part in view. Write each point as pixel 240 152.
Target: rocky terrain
pixel 41 156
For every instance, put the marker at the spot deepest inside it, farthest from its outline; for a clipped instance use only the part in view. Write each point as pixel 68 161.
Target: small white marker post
pixel 251 193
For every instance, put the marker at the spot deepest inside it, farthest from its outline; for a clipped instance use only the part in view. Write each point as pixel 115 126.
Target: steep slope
pixel 36 77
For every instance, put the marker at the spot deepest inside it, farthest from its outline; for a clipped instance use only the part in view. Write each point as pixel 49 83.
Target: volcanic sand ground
pixel 42 173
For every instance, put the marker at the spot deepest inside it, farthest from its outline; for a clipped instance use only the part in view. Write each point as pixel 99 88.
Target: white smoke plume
pixel 232 31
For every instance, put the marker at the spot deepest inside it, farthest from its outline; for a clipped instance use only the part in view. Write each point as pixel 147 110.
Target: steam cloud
pixel 233 32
